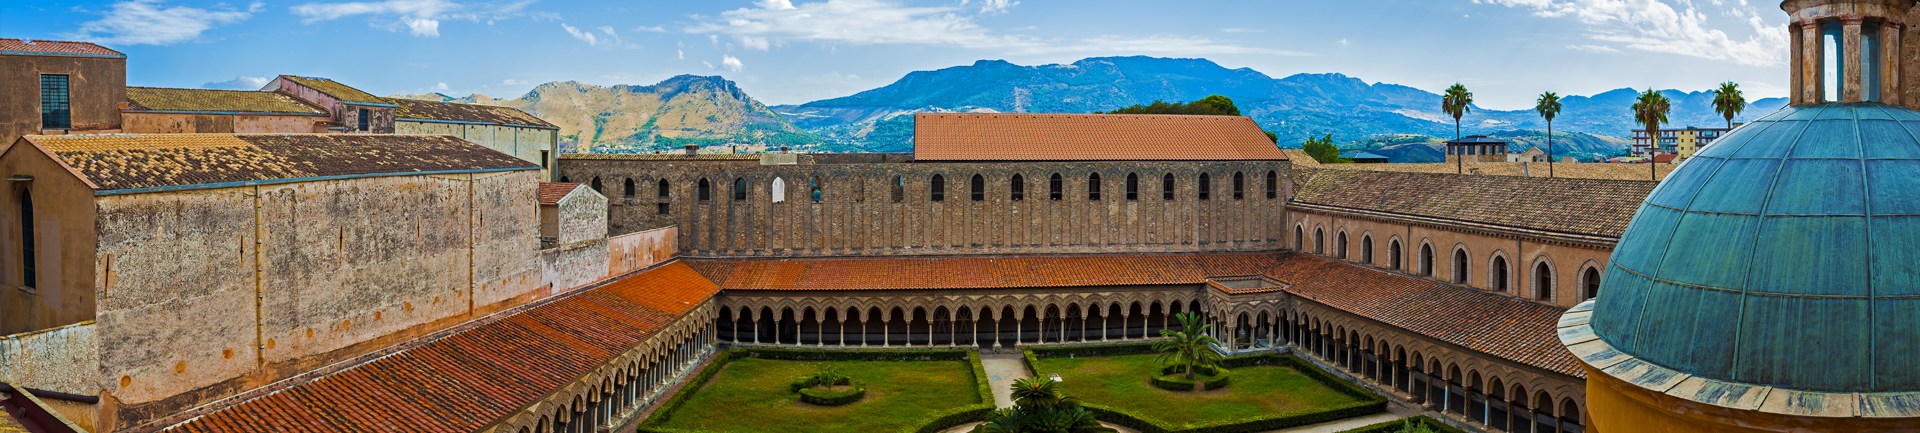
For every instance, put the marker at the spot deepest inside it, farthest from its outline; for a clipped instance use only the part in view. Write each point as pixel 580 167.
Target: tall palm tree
pixel 1548 106
pixel 1457 102
pixel 1728 101
pixel 1189 346
pixel 1650 110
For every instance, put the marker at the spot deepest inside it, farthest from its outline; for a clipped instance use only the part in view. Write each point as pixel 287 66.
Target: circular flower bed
pixel 1174 378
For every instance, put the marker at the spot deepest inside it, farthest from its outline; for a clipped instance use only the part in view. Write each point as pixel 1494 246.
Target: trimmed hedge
pixel 856 355
pixel 1172 378
pixel 943 420
pixel 1094 350
pixel 660 415
pixel 935 423
pixel 1175 383
pixel 804 383
pixel 832 398
pixel 1370 403
pixel 1395 426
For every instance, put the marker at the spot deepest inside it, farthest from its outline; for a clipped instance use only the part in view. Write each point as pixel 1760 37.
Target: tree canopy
pixel 1323 150
pixel 1214 105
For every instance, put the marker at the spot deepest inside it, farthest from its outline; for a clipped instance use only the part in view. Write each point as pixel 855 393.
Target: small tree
pixel 1457 102
pixel 1040 406
pixel 1190 346
pixel 1548 106
pixel 828 376
pixel 1650 110
pixel 1323 150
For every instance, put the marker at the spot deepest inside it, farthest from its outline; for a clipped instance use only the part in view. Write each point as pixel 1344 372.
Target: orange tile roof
pixel 1088 137
pixel 43 47
pixel 1513 329
pixel 130 162
pixel 466 381
pixel 552 192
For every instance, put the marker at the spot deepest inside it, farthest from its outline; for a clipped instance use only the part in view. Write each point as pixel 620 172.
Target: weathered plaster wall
pixel 506 228
pixel 580 256
pixel 635 251
pixel 63 241
pixel 278 124
pixel 63 359
pixel 582 217
pixel 523 143
pixel 1567 261
pixel 95 85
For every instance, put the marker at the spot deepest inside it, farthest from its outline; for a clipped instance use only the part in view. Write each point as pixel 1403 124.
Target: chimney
pixel 693 149
pixel 783 149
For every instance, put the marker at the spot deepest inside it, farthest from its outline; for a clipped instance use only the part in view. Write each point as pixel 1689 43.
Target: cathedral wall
pixel 1567 262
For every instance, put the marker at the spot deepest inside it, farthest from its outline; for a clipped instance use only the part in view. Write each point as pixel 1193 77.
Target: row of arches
pixel 985 326
pixel 1540 279
pixel 977 188
pixel 621 393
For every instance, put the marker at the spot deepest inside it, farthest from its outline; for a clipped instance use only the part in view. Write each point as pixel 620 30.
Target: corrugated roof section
pixel 1578 206
pixel 225 101
pixel 464 382
pixel 552 192
pixel 56 47
pixel 123 162
pixel 448 111
pixel 335 89
pixel 1088 137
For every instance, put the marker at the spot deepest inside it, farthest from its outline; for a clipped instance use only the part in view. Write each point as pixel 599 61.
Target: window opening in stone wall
pixel 1093 186
pixel 1166 187
pixel 1460 266
pixel 1133 187
pixel 596 186
pixel 1299 239
pixel 1366 249
pixel 1870 61
pixel 665 208
pixel 30 271
pixel 1206 186
pixel 1426 260
pixel 1393 254
pixel 1833 62
pixel 816 189
pixel 1018 188
pixel 1239 186
pixel 1340 245
pixel 705 190
pixel 779 194
pixel 1543 281
pixel 1500 274
pixel 899 188
pixel 1055 188
pixel 543 159
pixel 665 191
pixel 1593 284
pixel 739 189
pixel 628 189
pixel 1320 241
pixel 363 121
pixel 56 110
pixel 1273 185
pixel 977 188
pixel 939 188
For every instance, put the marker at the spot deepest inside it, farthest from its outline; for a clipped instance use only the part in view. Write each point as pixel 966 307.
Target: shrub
pixel 810 381
pixel 1094 350
pixel 939 421
pixel 833 398
pixel 1399 425
pixel 1172 383
pixel 1370 403
pixel 1172 378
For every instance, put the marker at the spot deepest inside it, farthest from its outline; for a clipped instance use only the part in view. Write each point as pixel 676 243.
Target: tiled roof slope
pixel 467 381
pixel 229 101
pixel 552 192
pixel 56 48
pixel 121 161
pixel 448 111
pixel 1504 327
pixel 1582 170
pixel 1088 137
pixel 1579 206
pixel 339 91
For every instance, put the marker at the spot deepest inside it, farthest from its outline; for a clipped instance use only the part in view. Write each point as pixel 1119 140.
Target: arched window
pixel 1426 260
pixel 1019 188
pixel 1320 241
pixel 1393 254
pixel 816 189
pixel 1460 266
pixel 1593 284
pixel 1366 249
pixel 628 190
pixel 665 189
pixel 1133 187
pixel 596 186
pixel 899 189
pixel 739 189
pixel 1055 188
pixel 1206 186
pixel 1340 245
pixel 1166 187
pixel 1273 185
pixel 779 190
pixel 1093 186
pixel 1299 239
pixel 706 193
pixel 1543 282
pixel 1239 186
pixel 1499 276
pixel 979 186
pixel 564 179
pixel 939 188
pixel 28 255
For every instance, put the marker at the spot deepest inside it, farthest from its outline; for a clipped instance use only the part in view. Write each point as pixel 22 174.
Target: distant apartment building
pixel 1682 142
pixel 1477 148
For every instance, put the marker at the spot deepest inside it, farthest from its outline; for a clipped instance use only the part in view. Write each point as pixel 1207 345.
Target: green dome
pixel 1782 255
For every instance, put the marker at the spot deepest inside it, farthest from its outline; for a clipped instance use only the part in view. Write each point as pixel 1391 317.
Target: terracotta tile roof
pixel 123 161
pixel 24 46
pixel 226 101
pixel 1088 137
pixel 1501 326
pixel 1582 170
pixel 552 192
pixel 1246 285
pixel 448 111
pixel 468 380
pixel 1590 207
pixel 339 91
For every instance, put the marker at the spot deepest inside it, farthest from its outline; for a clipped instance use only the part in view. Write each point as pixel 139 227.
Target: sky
pixel 795 51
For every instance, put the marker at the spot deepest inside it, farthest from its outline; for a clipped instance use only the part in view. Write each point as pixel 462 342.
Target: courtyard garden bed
pixel 899 391
pixel 1268 392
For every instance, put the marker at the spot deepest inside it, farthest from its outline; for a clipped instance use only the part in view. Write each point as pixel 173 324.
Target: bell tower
pixel 1846 51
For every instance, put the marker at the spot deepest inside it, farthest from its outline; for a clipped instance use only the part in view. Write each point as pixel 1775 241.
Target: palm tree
pixel 1457 102
pixel 1039 406
pixel 1548 106
pixel 1728 102
pixel 1040 393
pixel 1190 346
pixel 1650 110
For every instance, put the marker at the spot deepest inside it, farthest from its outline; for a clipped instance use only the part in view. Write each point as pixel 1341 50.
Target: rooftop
pixel 1580 170
pixel 552 192
pixel 222 101
pixel 134 163
pixel 339 91
pixel 1477 139
pixel 1088 137
pixel 56 48
pixel 465 113
pixel 1587 207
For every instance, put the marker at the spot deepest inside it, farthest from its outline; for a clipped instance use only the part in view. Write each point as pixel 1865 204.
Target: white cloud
pixel 775 4
pixel 513 82
pixel 752 42
pixel 1594 48
pixel 655 29
pixel 732 63
pixel 681 53
pixel 1343 42
pixel 611 39
pixel 238 83
pixel 997 6
pixel 1655 25
pixel 420 17
pixel 440 86
pixel 149 22
pixel 709 65
pixel 587 37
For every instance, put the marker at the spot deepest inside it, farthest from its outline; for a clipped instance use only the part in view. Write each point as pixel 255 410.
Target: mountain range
pixel 712 110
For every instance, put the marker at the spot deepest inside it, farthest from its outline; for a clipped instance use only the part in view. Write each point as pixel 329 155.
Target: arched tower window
pixel 1055 188
pixel 1239 186
pixel 1393 254
pixel 779 190
pixel 739 189
pixel 1018 191
pixel 1593 284
pixel 938 190
pixel 628 190
pixel 1299 239
pixel 1460 266
pixel 1500 276
pixel 1273 185
pixel 1320 241
pixel 1206 186
pixel 665 189
pixel 1133 187
pixel 1166 187
pixel 1093 186
pixel 1340 245
pixel 1543 282
pixel 899 188
pixel 596 186
pixel 1366 249
pixel 664 207
pixel 979 188
pixel 706 191
pixel 28 256
pixel 1426 260
pixel 816 188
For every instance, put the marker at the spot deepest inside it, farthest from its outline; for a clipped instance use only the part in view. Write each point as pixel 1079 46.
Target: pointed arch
pixel 1017 188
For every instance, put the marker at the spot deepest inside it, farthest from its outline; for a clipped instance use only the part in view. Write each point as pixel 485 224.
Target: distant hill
pixel 1421 148
pixel 687 109
pixel 1294 107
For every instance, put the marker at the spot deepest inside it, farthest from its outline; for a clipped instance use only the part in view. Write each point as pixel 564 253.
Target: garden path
pixel 1002 370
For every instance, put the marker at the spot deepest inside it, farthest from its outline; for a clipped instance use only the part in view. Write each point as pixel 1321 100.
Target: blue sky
pixel 794 51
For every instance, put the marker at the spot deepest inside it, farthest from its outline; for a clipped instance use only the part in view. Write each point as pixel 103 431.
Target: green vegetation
pixel 1040 406
pixel 1323 150
pixel 1548 106
pixel 1417 424
pixel 1214 105
pixel 1728 101
pixel 1188 347
pixel 1269 395
pixel 1457 102
pixel 906 391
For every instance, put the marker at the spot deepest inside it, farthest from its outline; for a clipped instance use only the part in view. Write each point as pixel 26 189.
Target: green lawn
pixel 750 395
pixel 1121 382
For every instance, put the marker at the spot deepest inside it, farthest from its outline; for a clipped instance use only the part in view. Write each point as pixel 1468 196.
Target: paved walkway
pixel 1002 370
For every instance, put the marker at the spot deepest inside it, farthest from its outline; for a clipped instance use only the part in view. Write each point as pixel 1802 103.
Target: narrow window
pixel 665 208
pixel 1870 61
pixel 1019 188
pixel 739 189
pixel 664 189
pixel 1166 187
pixel 1273 185
pixel 1206 186
pixel 1093 186
pixel 1593 283
pixel 706 193
pixel 779 194
pixel 628 189
pixel 1299 239
pixel 1543 284
pixel 1460 266
pixel 30 274
pixel 1426 260
pixel 1393 254
pixel 1340 245
pixel 1054 188
pixel 56 110
pixel 979 188
pixel 899 189
pixel 816 189
pixel 596 186
pixel 939 190
pixel 1834 41
pixel 1500 274
pixel 1239 186
pixel 363 119
pixel 1319 241
pixel 1133 187
pixel 1366 249
pixel 543 160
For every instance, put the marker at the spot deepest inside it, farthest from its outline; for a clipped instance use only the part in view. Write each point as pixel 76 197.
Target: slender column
pixel 975 340
pixel 1103 327
pixel 756 332
pixel 886 333
pixel 843 331
pixel 1019 326
pixel 1812 73
pixel 1083 327
pixel 953 332
pixel 1850 79
pixel 1796 62
pixel 1890 62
